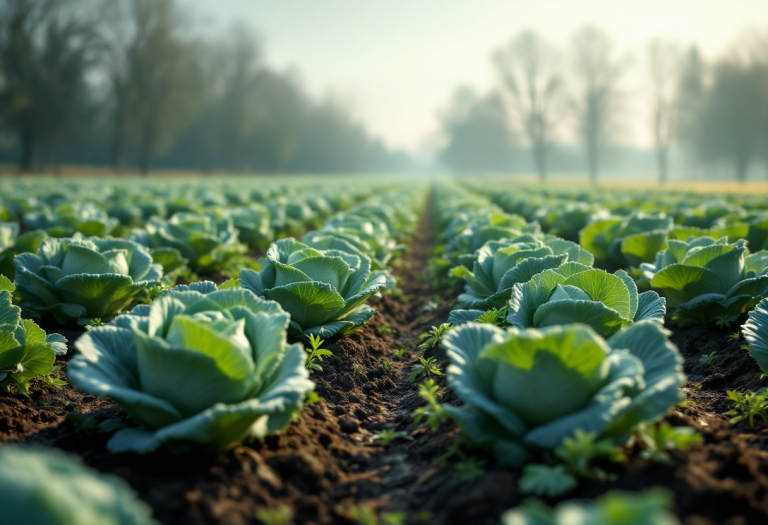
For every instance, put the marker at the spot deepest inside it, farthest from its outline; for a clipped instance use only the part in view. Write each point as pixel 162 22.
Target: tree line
pixel 715 112
pixel 126 83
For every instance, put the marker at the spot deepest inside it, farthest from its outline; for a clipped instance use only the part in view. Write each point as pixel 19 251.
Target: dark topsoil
pixel 328 460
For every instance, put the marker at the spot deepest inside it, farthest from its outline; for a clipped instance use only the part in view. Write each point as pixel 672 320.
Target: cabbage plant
pixel 40 486
pixel 252 223
pixel 708 280
pixel 499 265
pixel 80 279
pixel 199 366
pixel 26 351
pixel 207 243
pixel 526 390
pixel 324 291
pixel 68 219
pixel 482 228
pixel 575 293
pixel 626 240
pixel 12 244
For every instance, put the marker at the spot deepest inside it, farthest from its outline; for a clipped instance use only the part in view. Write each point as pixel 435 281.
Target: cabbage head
pixel 252 223
pixel 626 240
pixel 207 243
pixel 574 293
pixel 708 280
pixel 498 265
pixel 527 390
pixel 323 291
pixel 12 244
pixel 199 366
pixel 80 278
pixel 44 486
pixel 68 219
pixel 26 351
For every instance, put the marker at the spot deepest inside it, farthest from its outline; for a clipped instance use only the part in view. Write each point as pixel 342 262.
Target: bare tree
pixel 664 61
pixel 238 70
pixel 597 72
pixel 529 71
pixel 154 74
pixel 45 52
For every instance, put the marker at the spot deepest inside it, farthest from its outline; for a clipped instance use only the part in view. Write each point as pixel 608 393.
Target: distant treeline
pixel 715 114
pixel 124 83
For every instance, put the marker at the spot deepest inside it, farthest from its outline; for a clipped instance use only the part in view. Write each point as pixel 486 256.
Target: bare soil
pixel 330 460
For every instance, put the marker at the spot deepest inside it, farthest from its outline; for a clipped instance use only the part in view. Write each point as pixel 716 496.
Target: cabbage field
pixel 328 350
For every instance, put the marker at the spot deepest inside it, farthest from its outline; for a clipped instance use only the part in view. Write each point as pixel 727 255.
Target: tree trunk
pixel 118 144
pixel 663 162
pixel 742 164
pixel 540 159
pixel 28 149
pixel 592 161
pixel 145 153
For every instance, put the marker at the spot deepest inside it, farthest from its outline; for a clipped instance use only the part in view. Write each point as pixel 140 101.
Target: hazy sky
pixel 399 61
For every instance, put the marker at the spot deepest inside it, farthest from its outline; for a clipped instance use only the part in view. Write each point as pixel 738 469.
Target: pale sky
pixel 398 61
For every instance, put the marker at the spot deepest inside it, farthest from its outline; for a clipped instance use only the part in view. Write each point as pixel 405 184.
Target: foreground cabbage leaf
pixel 198 366
pixel 26 351
pixel 528 390
pixel 650 507
pixel 574 293
pixel 324 291
pixel 47 487
pixel 708 280
pixel 79 278
pixel 755 331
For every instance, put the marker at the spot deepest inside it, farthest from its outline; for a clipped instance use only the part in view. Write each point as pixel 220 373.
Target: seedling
pixel 430 306
pixel 434 413
pixel 708 359
pixel 83 424
pixel 582 450
pixel 734 336
pixel 471 469
pixel 281 515
pixel 356 368
pixel 725 320
pixel 93 323
pixel 389 436
pixel 432 338
pixel 426 367
pixel 365 515
pixel 50 381
pixel 386 364
pixel 663 437
pixel 312 398
pixel 316 354
pixel 578 453
pixel 386 330
pixel 548 481
pixel 748 406
pixel 496 317
pixel 400 352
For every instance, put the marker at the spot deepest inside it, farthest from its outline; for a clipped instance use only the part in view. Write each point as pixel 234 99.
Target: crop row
pixel 193 366
pixel 560 364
